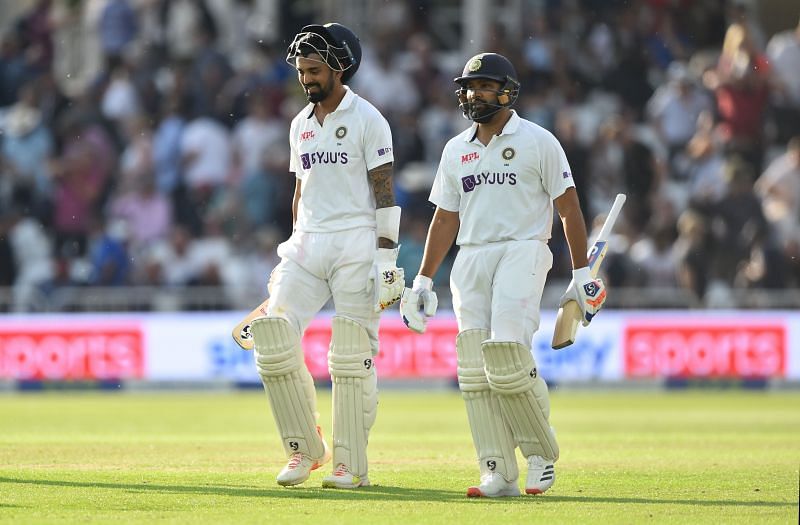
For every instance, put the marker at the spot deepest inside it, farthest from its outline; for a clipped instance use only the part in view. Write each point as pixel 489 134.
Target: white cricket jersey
pixel 332 161
pixel 503 191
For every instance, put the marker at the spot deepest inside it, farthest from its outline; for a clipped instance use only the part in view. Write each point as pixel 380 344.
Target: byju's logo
pixel 468 183
pixel 323 157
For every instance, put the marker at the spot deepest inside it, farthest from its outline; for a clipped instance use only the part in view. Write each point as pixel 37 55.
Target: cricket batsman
pixel 343 247
pixel 494 193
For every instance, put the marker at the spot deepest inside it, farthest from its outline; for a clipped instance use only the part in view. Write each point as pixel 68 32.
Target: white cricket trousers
pixel 498 287
pixel 317 266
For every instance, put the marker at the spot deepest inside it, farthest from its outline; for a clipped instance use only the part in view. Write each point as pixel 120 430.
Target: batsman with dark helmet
pixel 494 193
pixel 343 247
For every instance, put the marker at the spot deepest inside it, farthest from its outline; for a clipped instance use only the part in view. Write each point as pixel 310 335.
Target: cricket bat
pixel 241 332
pixel 569 315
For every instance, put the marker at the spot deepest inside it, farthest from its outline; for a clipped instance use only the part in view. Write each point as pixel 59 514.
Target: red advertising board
pixel 93 352
pixel 705 350
pixel 403 353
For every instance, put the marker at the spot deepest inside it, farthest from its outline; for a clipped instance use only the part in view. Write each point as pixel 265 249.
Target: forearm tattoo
pixel 381 180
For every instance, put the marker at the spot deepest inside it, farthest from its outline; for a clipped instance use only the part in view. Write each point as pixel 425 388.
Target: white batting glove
pixel 387 279
pixel 418 304
pixel 589 293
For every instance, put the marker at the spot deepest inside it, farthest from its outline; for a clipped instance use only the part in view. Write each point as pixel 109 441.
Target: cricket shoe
pixel 342 478
pixel 493 485
pixel 300 465
pixel 541 475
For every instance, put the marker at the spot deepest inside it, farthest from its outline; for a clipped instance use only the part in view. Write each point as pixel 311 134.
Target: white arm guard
pixel 388 220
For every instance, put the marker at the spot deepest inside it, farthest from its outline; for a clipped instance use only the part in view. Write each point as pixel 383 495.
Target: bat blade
pixel 241 332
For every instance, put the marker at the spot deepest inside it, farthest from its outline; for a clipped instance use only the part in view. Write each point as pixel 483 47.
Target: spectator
pixel 26 149
pixel 675 108
pixel 740 85
pixel 783 51
pixel 779 190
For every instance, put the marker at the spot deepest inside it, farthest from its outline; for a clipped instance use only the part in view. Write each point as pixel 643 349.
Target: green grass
pixel 696 457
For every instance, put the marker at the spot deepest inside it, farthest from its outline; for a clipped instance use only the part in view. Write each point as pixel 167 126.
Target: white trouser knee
pixel 289 386
pixel 524 399
pixel 491 435
pixel 355 393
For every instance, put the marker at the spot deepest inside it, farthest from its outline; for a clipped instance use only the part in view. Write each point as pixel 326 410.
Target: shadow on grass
pixel 375 492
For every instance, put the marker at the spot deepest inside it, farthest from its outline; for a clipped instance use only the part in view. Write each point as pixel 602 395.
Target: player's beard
pixel 482 112
pixel 321 93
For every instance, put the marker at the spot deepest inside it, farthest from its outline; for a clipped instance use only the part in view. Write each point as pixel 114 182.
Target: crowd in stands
pixel 144 142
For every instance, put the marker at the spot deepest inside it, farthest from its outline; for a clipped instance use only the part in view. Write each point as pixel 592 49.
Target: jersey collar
pixel 510 128
pixel 346 102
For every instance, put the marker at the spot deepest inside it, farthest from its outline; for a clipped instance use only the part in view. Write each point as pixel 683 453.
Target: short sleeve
pixel 556 173
pixel 294 160
pixel 445 192
pixel 377 141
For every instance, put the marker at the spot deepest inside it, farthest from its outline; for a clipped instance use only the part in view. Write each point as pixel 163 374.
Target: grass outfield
pixel 696 457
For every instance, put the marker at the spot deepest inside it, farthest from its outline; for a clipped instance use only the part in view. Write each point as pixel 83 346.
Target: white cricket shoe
pixel 299 467
pixel 493 485
pixel 342 478
pixel 541 475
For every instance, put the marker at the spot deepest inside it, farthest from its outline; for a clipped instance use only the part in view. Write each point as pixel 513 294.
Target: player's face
pixel 315 76
pixel 481 94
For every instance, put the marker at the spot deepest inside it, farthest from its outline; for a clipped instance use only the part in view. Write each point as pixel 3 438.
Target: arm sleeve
pixel 555 170
pixel 445 193
pixel 377 141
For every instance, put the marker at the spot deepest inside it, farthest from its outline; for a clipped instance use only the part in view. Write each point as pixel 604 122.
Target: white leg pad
pixel 355 393
pixel 523 395
pixel 491 435
pixel 289 386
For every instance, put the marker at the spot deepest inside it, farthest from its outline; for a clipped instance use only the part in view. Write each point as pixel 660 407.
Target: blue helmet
pixel 339 47
pixel 494 67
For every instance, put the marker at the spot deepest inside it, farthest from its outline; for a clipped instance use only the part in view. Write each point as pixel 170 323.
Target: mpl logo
pixel 469 157
pixel 306 135
pixel 708 350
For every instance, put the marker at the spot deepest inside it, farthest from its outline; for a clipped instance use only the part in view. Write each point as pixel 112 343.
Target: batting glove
pixel 386 278
pixel 418 304
pixel 588 292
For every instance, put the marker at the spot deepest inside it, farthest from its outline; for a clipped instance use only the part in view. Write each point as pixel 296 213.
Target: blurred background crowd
pixel 144 143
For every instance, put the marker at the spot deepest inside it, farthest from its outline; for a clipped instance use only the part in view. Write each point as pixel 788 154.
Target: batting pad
pixel 355 393
pixel 491 435
pixel 289 386
pixel 524 399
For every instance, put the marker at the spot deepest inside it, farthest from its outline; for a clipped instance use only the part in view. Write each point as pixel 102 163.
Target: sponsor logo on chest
pixel 469 157
pixel 306 135
pixel 323 157
pixel 470 182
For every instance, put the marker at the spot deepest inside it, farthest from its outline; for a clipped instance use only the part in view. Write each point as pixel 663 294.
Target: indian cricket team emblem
pixel 590 289
pixel 509 153
pixel 475 65
pixel 341 131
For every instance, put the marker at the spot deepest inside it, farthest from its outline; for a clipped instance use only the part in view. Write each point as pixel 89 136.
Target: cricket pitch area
pixel 626 457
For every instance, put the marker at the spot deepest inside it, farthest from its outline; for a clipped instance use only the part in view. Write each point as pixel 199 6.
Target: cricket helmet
pixel 339 47
pixel 494 67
